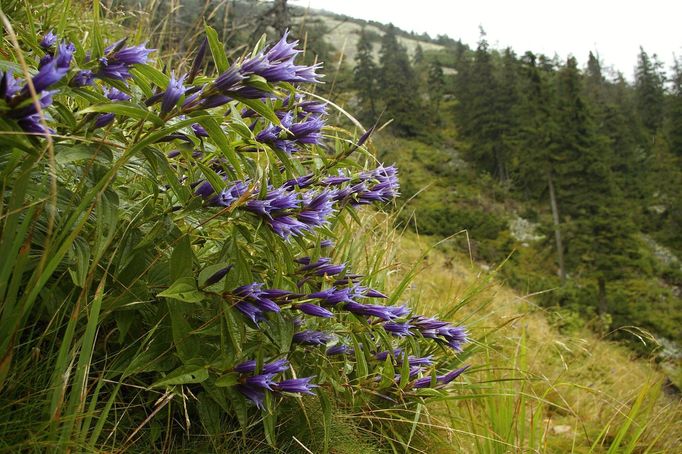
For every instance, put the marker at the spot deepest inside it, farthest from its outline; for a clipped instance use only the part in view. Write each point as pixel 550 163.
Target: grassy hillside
pixel 564 389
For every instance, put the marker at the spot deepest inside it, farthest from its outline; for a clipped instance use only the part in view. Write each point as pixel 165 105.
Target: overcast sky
pixel 613 29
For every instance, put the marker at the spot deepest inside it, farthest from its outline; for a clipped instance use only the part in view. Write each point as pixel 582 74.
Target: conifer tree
pixel 674 111
pixel 601 243
pixel 478 112
pixel 398 86
pixel 365 78
pixel 649 91
pixel 436 86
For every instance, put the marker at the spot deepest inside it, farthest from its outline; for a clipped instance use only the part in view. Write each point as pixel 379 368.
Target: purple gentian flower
pixel 275 367
pixel 314 310
pixel 115 94
pixel 295 385
pixel 396 353
pixel 316 210
pixel 417 361
pixel 115 71
pixel 45 99
pixel 286 226
pixel 48 40
pixel 313 107
pixel 48 75
pixel 82 78
pixel 254 294
pixel 252 312
pixel 339 349
pixel 307 74
pixel 300 182
pixel 309 337
pixel 254 394
pixel 132 55
pixel 173 93
pixel 424 382
pixel 371 310
pixel 308 131
pixel 217 276
pixel 398 329
pixel 32 124
pixel 282 50
pixel 264 381
pixel 9 86
pixel 103 120
pixel 230 194
pixel 199 130
pixel 275 200
pixel 65 54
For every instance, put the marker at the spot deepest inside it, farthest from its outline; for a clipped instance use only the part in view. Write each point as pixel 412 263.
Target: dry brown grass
pixel 582 382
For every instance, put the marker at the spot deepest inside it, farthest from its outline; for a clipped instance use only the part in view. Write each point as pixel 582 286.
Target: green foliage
pixel 397 83
pixel 143 241
pixel 365 76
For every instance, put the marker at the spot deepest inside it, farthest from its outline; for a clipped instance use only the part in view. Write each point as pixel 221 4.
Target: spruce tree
pixel 478 112
pixel 600 243
pixel 436 86
pixel 674 111
pixel 398 86
pixel 365 78
pixel 649 90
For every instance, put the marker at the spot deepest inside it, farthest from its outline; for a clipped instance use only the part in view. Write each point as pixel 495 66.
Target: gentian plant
pixel 182 227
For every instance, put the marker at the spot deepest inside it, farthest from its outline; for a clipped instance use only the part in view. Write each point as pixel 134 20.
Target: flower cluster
pixel 289 212
pixel 52 69
pixel 118 59
pixel 345 296
pixel 239 81
pixel 254 385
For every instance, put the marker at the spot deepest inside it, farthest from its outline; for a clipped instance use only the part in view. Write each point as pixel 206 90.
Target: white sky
pixel 613 29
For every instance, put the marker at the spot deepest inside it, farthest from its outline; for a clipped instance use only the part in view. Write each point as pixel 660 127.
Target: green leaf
pixel 209 414
pixel 220 139
pixel 326 406
pixel 97 44
pixel 388 373
pixel 404 371
pixel 217 49
pixel 81 255
pixel 230 379
pixel 126 109
pixel 269 420
pixel 261 108
pixel 66 154
pixel 151 74
pixel 183 375
pixel 361 361
pixel 184 289
pixel 182 259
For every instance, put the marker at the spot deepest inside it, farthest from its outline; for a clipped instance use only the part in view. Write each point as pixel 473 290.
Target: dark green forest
pixel 595 160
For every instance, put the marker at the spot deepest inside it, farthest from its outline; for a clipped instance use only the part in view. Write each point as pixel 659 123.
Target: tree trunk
pixel 603 304
pixel 557 228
